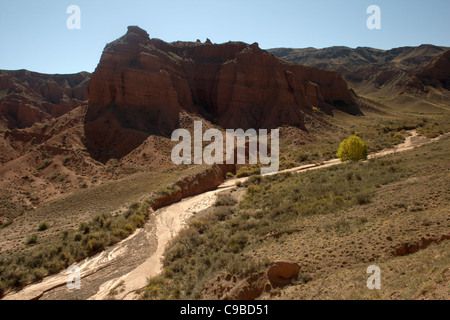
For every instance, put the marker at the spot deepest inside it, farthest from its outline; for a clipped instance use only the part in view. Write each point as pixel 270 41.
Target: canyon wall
pixel 141 85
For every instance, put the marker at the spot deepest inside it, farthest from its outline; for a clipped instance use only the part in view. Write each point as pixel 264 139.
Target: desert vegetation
pixel 76 168
pixel 318 219
pixel 19 269
pixel 353 149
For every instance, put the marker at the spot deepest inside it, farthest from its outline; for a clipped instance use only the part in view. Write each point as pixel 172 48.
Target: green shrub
pixel 33 239
pixel 399 136
pixel 363 197
pixel 43 226
pixel 222 213
pixel 237 242
pixel 167 191
pixel 225 199
pixel 229 175
pixel 302 157
pixel 248 171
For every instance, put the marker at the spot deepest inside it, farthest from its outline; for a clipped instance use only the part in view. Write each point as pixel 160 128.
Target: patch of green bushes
pixel 222 238
pixel 21 268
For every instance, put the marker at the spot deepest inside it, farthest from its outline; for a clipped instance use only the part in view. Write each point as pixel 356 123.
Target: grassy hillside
pixel 55 235
pixel 333 222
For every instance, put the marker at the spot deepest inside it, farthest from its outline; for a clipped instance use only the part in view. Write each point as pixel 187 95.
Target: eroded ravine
pixel 122 270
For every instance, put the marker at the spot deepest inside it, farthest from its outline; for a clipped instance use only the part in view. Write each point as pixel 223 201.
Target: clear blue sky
pixel 34 35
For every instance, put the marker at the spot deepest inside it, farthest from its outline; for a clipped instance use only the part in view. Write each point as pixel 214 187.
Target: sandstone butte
pixel 141 87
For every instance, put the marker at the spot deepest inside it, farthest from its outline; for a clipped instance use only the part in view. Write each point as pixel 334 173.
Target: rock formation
pixel 436 74
pixel 141 86
pixel 371 72
pixel 28 97
pixel 227 287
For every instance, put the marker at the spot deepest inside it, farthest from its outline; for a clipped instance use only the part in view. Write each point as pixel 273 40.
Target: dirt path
pixel 122 270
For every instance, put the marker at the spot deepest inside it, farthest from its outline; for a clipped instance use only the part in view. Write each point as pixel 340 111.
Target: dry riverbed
pixel 122 270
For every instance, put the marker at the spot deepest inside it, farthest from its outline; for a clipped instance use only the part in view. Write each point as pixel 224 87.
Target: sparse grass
pixel 45 163
pixel 43 226
pixel 435 127
pixel 215 240
pixel 19 269
pixel 226 237
pixel 81 206
pixel 33 239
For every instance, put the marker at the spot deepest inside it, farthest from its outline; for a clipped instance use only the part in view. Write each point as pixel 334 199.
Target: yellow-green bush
pixel 352 149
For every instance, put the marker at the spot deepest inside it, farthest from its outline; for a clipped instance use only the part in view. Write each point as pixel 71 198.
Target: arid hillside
pixel 142 86
pixel 63 133
pixel 85 159
pixel 29 97
pixel 389 76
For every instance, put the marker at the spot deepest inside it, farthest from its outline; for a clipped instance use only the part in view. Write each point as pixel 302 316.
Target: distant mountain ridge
pixel 435 74
pixel 367 70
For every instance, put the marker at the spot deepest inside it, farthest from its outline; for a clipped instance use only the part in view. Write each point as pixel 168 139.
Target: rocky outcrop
pixel 436 74
pixel 141 85
pixel 194 184
pixel 281 273
pixel 227 287
pixel 412 247
pixel 28 97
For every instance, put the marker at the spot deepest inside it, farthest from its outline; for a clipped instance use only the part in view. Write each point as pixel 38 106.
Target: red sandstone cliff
pixel 28 97
pixel 141 86
pixel 436 74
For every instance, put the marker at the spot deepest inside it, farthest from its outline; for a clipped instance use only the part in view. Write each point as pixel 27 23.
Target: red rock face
pixel 435 74
pixel 29 97
pixel 141 85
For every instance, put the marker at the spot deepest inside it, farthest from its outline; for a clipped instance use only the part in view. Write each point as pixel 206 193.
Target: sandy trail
pixel 169 221
pixel 125 267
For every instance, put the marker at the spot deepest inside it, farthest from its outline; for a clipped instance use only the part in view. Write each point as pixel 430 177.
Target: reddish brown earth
pixel 141 86
pixel 367 70
pixel 29 97
pixel 436 74
pixel 55 128
pixel 227 287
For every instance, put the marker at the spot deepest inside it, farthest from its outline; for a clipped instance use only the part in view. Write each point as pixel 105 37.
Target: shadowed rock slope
pixel 142 85
pixel 29 97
